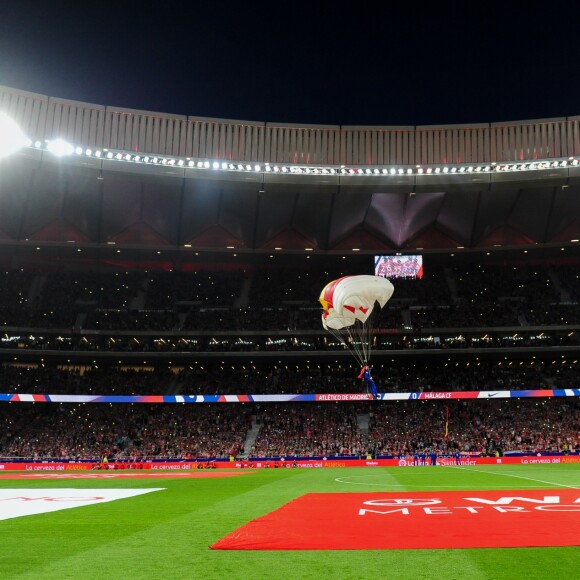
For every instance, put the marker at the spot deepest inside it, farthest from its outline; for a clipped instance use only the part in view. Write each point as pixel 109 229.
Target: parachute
pixel 350 310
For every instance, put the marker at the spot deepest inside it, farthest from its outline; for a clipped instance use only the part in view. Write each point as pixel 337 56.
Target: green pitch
pixel 166 535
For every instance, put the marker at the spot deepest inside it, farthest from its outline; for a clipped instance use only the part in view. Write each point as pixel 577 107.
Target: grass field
pixel 167 534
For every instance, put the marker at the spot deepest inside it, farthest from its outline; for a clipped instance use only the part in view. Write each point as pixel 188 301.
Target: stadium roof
pixel 324 207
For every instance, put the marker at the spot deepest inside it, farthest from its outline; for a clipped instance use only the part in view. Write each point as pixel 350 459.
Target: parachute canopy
pixel 350 305
pixel 353 298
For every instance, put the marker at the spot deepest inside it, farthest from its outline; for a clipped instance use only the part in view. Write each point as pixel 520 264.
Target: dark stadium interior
pixel 55 203
pixel 289 291
pixel 124 279
pixel 142 327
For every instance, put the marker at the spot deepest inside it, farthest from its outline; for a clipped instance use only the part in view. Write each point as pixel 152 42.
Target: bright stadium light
pixel 11 137
pixel 60 147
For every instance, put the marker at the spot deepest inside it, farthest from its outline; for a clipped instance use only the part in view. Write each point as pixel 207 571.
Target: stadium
pixel 163 350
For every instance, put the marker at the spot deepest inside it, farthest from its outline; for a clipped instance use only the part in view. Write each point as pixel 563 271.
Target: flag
pixel 446 422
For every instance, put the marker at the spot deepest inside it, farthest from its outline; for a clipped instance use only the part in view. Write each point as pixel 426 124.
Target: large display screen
pixel 408 266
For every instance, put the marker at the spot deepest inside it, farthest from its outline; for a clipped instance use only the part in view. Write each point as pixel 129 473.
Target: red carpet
pixel 415 520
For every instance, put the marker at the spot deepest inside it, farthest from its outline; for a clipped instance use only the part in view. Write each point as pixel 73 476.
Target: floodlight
pixel 59 147
pixel 11 137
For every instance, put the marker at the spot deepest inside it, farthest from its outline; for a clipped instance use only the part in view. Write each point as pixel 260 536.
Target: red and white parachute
pixel 350 310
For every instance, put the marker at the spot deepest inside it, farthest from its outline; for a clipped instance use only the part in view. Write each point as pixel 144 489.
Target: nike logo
pixel 492 394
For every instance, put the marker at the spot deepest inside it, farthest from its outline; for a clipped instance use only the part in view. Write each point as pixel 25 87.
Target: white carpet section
pixel 15 503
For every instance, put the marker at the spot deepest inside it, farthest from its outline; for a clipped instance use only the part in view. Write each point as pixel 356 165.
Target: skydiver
pixel 365 375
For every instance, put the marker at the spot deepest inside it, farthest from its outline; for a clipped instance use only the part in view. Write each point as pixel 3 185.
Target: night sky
pixel 302 62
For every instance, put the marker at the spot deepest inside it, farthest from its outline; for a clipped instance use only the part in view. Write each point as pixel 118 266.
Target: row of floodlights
pixel 12 139
pixel 63 148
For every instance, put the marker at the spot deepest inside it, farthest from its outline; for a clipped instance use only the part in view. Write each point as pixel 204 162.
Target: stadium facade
pixel 146 191
pixel 142 180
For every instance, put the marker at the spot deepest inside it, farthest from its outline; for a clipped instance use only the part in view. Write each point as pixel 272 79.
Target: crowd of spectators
pixel 397 428
pixel 276 342
pixel 275 311
pixel 521 425
pixel 217 377
pixel 270 299
pixel 309 430
pixel 94 431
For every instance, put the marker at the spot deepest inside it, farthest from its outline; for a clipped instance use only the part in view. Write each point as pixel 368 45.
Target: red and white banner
pixel 286 463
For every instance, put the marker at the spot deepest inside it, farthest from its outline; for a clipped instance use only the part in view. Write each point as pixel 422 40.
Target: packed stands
pixel 255 329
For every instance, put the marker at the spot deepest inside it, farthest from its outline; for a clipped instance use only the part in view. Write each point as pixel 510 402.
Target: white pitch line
pixel 385 484
pixel 509 475
pixel 440 487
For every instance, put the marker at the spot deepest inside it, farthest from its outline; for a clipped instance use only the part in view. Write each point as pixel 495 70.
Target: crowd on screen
pixel 399 428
